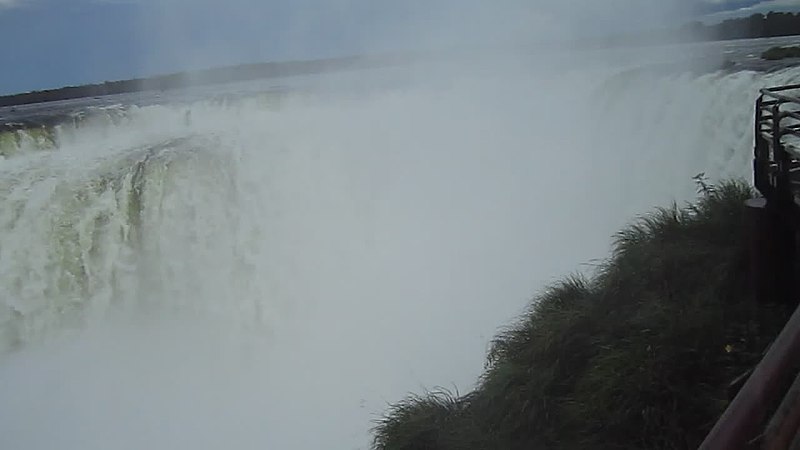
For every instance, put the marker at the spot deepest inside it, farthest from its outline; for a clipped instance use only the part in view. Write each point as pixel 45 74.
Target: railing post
pixel 783 194
pixel 771 248
pixel 770 219
pixel 761 153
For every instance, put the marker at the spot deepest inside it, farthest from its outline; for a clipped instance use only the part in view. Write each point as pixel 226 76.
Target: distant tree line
pixel 244 72
pixel 756 26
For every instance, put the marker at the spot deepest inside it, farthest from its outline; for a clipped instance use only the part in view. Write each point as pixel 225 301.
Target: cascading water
pixel 244 276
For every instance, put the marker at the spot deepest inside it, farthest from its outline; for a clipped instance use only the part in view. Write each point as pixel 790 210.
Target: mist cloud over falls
pixel 295 268
pixel 179 34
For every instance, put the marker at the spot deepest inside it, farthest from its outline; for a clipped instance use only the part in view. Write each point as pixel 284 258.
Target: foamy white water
pixel 251 276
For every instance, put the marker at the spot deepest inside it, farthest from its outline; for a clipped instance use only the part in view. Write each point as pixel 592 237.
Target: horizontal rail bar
pixel 792 114
pixel 783 97
pixel 767 115
pixel 781 88
pixel 767 105
pixel 793 151
pixel 776 89
pixel 784 424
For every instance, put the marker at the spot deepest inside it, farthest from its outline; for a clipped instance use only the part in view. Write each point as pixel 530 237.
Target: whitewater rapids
pixel 247 274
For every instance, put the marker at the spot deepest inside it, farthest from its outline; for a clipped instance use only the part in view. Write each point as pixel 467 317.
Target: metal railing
pixel 777 144
pixel 765 412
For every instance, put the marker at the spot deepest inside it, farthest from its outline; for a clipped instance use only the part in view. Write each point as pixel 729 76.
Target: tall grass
pixel 640 356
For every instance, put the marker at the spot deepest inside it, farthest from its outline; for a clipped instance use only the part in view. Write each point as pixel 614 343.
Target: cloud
pixel 777 4
pixel 201 33
pixel 8 5
pixel 705 7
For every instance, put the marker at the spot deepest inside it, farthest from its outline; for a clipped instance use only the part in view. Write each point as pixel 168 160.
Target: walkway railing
pixel 765 413
pixel 777 143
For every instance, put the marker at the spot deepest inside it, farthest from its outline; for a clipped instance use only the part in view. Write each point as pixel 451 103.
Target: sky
pixel 53 43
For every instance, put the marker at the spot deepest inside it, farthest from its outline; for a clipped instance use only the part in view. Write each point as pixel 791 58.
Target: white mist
pixel 298 268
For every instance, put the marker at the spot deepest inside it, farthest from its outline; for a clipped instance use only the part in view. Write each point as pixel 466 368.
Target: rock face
pixel 776 53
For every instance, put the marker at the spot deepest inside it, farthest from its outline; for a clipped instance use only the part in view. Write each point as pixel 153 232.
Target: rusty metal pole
pixel 785 422
pixel 744 418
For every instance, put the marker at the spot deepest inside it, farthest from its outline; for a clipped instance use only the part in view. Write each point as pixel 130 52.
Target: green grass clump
pixel 777 53
pixel 638 357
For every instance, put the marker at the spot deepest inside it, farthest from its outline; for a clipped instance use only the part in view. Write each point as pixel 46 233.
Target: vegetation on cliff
pixel 772 24
pixel 641 355
pixel 776 53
